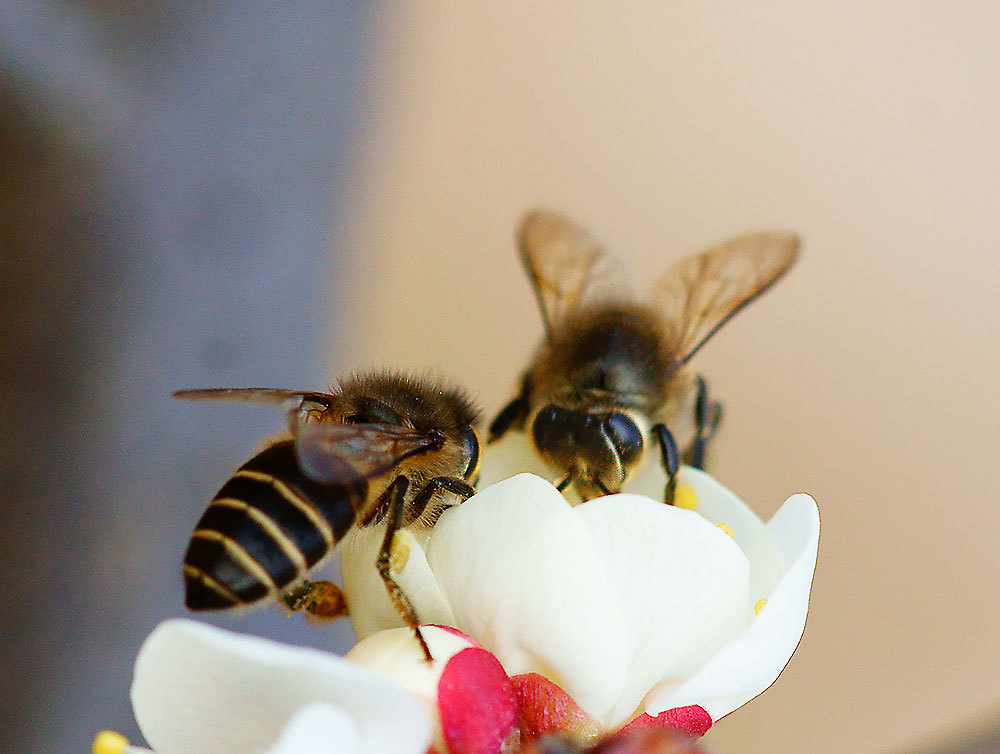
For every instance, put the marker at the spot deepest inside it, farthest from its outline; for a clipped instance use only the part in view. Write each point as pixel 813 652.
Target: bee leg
pixel 707 416
pixel 395 494
pixel 452 484
pixel 511 415
pixel 320 599
pixel 670 458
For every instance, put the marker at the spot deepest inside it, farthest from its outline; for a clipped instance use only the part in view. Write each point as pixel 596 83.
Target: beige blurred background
pixel 215 193
pixel 866 378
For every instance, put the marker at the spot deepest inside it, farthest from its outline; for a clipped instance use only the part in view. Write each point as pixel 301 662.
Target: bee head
pixel 595 449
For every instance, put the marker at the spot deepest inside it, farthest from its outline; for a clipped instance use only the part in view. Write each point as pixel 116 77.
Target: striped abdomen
pixel 267 526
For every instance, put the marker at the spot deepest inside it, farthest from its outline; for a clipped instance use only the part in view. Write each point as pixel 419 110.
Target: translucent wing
pixel 567 266
pixel 699 294
pixel 274 396
pixel 338 453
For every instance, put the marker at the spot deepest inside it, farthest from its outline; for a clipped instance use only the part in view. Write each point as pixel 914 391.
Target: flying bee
pixel 383 449
pixel 612 371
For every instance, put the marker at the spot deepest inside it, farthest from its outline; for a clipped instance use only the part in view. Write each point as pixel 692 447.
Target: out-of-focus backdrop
pixel 173 182
pixel 236 194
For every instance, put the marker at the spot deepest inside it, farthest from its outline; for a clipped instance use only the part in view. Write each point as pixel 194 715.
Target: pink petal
pixel 692 720
pixel 546 708
pixel 649 741
pixel 477 704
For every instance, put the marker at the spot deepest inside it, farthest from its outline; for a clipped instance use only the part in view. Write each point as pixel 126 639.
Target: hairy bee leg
pixel 449 483
pixel 396 495
pixel 695 455
pixel 320 599
pixel 513 414
pixel 670 459
pixel 707 416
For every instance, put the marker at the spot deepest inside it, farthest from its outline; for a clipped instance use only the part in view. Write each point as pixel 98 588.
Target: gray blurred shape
pixel 980 735
pixel 173 177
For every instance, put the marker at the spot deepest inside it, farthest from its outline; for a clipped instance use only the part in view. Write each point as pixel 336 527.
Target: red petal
pixel 692 720
pixel 649 741
pixel 546 708
pixel 477 703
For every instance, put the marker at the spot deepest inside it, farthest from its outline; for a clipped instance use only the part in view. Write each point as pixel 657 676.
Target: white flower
pixel 201 690
pixel 466 691
pixel 629 605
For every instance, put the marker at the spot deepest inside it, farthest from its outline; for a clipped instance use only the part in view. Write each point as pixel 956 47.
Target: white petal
pixel 509 456
pixel 648 479
pixel 767 567
pixel 682 581
pixel 746 666
pixel 518 568
pixel 720 506
pixel 396 655
pixel 420 584
pixel 198 688
pixel 368 603
pixel 318 728
pixel 717 504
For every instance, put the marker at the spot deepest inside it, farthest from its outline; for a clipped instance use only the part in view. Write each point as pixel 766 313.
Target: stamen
pixel 685 497
pixel 109 742
pixel 727 529
pixel 112 742
pixel 759 605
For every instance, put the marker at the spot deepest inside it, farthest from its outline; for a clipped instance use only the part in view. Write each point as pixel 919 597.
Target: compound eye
pixel 554 431
pixel 470 448
pixel 626 437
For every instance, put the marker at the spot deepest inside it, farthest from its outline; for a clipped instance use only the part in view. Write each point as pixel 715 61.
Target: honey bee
pixel 383 449
pixel 612 371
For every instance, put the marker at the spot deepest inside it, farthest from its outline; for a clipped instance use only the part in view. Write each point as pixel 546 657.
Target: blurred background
pixel 218 194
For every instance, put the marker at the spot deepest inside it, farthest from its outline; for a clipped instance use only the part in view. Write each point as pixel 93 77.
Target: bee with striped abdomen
pixel 383 449
pixel 612 370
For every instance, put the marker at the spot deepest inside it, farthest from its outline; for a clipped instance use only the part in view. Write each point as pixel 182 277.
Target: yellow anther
pixel 109 742
pixel 727 529
pixel 399 552
pixel 685 497
pixel 759 605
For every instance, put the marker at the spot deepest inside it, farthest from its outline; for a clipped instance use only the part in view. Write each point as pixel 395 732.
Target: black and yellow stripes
pixel 263 530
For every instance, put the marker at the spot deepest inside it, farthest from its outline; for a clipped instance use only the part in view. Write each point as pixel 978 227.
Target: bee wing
pixel 567 266
pixel 338 453
pixel 274 396
pixel 699 294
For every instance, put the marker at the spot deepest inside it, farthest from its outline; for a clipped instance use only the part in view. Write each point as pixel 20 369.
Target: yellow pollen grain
pixel 759 605
pixel 109 742
pixel 727 529
pixel 685 497
pixel 399 553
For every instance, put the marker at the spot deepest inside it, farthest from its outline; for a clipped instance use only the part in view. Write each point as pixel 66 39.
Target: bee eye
pixel 470 447
pixel 625 436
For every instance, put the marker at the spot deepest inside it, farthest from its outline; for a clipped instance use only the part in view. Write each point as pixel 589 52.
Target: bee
pixel 383 449
pixel 612 371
